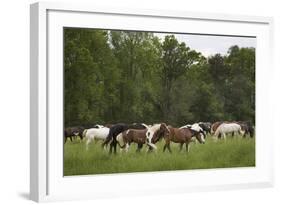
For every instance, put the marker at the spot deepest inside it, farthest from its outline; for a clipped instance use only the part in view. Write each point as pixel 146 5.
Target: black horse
pixel 115 130
pixel 70 132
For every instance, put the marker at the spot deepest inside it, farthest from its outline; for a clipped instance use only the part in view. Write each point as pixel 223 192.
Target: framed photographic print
pixel 150 101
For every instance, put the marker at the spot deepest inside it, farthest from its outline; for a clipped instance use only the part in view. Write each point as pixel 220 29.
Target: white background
pixel 14 109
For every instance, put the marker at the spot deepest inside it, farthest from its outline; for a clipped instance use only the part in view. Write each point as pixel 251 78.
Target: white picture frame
pixel 46 178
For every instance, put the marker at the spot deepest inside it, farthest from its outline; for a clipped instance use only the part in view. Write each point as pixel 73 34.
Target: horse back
pixel 228 127
pixel 179 135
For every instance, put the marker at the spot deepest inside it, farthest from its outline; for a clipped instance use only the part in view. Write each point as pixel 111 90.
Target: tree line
pixel 126 76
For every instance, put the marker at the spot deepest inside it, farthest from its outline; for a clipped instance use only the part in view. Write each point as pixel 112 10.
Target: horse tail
pixel 117 139
pixel 217 132
pixel 108 138
pixel 212 131
pixel 242 130
pixel 145 125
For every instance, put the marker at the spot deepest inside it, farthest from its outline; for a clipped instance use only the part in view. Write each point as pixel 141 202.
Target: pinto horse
pixel 182 136
pixel 196 127
pixel 151 130
pixel 114 131
pixel 141 137
pixel 133 136
pixel 206 126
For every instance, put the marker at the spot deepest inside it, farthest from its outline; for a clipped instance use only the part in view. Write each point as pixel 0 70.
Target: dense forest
pixel 122 76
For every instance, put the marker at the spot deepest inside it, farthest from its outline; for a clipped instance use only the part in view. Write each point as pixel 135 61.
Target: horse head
pixel 164 128
pixel 162 132
pixel 200 135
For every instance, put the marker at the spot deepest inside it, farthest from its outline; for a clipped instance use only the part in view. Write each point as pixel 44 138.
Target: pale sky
pixel 210 45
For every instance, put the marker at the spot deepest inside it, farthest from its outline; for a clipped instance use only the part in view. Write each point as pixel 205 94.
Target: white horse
pixel 225 128
pixel 95 134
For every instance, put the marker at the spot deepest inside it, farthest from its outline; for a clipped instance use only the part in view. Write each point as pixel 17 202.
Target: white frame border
pixel 39 75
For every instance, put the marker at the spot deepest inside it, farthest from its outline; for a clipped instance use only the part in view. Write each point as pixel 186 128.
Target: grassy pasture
pixel 234 152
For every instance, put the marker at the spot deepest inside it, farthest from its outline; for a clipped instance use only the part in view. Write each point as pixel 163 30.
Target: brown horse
pixel 182 136
pixel 140 137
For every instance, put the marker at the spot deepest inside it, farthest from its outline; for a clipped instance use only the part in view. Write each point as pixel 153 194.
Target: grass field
pixel 234 152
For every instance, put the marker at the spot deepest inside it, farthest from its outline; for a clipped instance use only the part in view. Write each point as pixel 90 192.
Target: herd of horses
pixel 141 134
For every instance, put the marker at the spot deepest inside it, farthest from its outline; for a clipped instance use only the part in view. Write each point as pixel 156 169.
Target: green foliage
pixel 122 76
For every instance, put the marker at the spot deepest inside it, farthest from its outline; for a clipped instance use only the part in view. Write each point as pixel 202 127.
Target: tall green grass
pixel 234 152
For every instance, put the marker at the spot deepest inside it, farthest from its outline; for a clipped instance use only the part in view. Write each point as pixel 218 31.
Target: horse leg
pixel 110 147
pixel 164 148
pixel 215 138
pixel 224 136
pixel 251 133
pixel 150 149
pixel 104 146
pixel 139 147
pixel 181 145
pixel 169 148
pixel 87 143
pixel 115 147
pixel 244 133
pixel 167 141
pixel 127 147
pixel 108 140
pixel 187 146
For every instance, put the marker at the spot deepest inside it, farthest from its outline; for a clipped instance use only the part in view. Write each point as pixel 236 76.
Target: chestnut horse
pixel 182 136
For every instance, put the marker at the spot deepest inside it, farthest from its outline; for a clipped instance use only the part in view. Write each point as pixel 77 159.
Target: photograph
pixel 148 101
